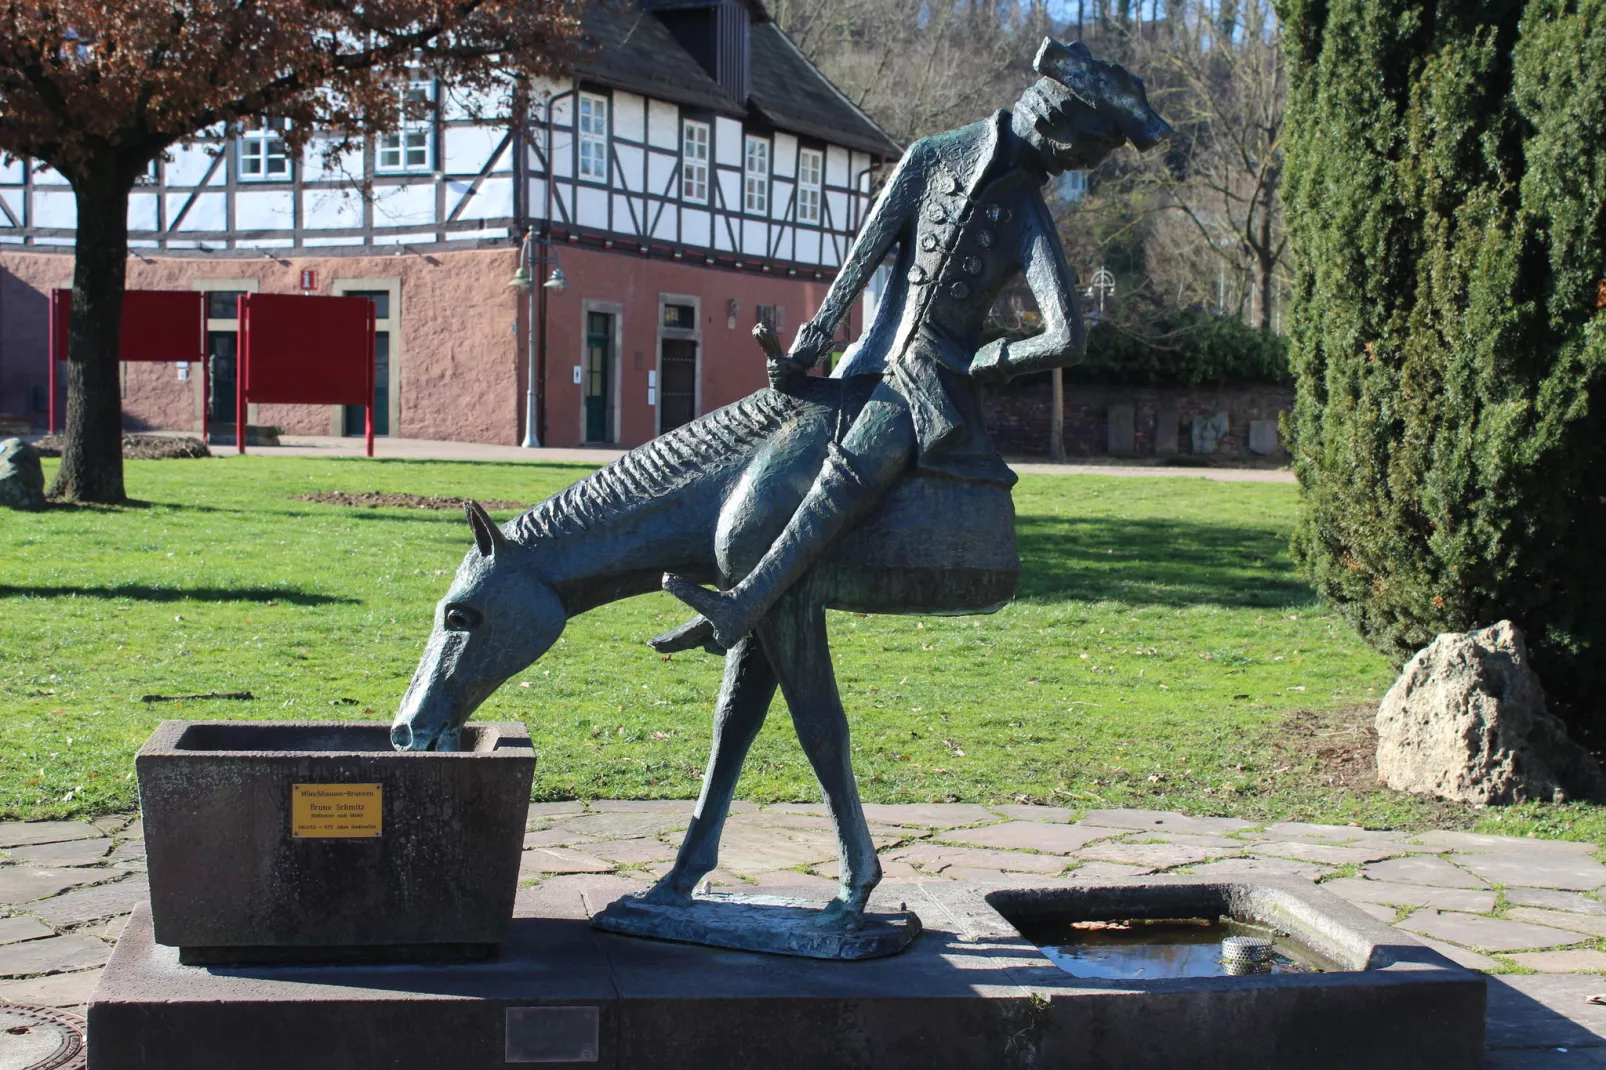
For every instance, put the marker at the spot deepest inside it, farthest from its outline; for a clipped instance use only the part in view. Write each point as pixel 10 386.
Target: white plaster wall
pixel 190 163
pixel 330 208
pixel 265 210
pixel 837 204
pixel 469 147
pixel 13 200
pixel 10 169
pixel 346 167
pixel 730 187
pixel 663 125
pixel 493 201
pixel 836 165
pixel 209 212
pixel 629 115
pixel 632 163
pixel 592 209
pixel 727 141
pixel 695 226
pixel 785 163
pixel 45 176
pixel 780 200
pixel 808 245
pixel 405 205
pixel 660 173
pixel 142 211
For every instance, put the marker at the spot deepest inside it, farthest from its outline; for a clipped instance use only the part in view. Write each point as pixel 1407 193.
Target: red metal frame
pixel 305 350
pixel 153 330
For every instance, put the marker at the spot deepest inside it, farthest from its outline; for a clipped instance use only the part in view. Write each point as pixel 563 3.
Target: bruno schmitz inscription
pixel 336 810
pixel 877 491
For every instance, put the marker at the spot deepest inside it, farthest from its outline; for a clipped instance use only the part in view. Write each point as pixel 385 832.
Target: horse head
pixel 498 616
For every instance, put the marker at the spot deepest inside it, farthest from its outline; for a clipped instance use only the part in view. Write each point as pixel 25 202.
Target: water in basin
pixel 1152 949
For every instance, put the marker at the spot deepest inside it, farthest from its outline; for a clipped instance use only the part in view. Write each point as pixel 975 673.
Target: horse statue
pixel 705 500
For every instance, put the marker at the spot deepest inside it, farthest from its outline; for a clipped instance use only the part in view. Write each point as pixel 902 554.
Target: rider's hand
pixel 786 373
pixel 810 345
pixel 991 362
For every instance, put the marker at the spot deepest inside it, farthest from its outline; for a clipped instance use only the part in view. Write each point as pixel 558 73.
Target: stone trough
pixel 971 992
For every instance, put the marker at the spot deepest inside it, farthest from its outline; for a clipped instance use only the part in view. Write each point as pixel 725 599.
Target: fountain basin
pixel 316 841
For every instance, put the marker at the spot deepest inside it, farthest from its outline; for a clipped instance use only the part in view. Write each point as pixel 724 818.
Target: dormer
pixel 717 34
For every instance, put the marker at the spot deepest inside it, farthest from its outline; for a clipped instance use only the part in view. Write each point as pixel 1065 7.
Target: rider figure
pixel 966 211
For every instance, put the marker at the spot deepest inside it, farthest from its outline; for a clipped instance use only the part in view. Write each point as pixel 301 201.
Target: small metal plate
pixel 552 1035
pixel 340 811
pixel 40 1038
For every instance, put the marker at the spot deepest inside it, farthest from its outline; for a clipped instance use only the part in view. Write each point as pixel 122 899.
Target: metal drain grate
pixel 40 1038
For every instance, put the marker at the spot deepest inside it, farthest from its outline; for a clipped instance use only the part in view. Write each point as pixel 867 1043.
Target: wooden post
pixel 1056 444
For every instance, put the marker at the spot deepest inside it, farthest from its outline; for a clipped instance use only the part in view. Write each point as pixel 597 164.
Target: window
pixel 694 162
pixel 756 182
pixel 263 156
pixel 771 315
pixel 593 137
pixel 409 147
pixel 681 317
pixel 810 168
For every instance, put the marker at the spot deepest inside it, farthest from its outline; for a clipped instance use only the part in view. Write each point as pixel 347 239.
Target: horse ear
pixel 487 536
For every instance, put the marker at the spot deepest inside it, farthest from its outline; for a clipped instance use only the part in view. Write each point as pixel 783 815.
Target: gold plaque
pixel 336 810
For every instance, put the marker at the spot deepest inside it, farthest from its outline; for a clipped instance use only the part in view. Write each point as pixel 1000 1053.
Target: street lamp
pixel 523 282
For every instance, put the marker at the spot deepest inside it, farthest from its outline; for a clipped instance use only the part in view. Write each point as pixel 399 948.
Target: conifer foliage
pixel 1447 204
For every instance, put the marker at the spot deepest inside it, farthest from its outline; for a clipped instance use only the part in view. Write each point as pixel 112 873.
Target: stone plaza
pixel 1524 911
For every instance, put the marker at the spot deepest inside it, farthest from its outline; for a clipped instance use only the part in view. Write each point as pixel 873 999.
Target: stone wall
pixel 1019 414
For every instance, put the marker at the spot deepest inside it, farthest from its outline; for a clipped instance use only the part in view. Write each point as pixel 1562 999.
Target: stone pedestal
pixel 970 993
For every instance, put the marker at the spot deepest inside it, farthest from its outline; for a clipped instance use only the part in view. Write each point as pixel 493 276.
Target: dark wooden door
pixel 677 383
pixel 598 392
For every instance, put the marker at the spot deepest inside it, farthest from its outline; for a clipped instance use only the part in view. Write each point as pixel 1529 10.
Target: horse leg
pixel 744 700
pixel 793 634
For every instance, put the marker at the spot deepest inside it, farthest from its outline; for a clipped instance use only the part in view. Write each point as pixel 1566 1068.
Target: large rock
pixel 1467 721
pixel 22 481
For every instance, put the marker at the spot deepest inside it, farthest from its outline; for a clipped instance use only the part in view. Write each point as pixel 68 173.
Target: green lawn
pixel 1160 645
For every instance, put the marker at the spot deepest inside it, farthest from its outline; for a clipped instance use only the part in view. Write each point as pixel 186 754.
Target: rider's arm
pixel 887 217
pixel 1059 345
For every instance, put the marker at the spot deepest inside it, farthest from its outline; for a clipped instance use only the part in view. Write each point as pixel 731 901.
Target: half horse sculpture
pixel 877 491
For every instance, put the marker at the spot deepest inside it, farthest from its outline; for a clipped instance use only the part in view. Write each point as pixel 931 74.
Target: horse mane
pixel 659 467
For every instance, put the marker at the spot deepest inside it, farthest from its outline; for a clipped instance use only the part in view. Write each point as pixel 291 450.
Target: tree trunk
pixel 92 462
pixel 1264 266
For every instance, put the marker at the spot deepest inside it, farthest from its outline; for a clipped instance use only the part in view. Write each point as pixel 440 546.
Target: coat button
pixel 917 275
pixel 959 291
pixel 973 265
pixel 928 242
pixel 954 185
pixel 998 213
pixel 984 238
pixel 937 214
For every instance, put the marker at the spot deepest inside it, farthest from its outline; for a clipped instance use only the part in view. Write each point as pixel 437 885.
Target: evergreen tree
pixel 1447 205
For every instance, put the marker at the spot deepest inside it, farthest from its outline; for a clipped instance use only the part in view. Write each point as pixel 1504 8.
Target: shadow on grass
pixel 1156 562
pixel 141 593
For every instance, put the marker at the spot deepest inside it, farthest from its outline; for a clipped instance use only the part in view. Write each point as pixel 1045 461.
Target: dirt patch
pixel 136 447
pixel 376 500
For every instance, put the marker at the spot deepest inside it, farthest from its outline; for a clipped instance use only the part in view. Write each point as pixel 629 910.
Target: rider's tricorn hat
pixel 1109 89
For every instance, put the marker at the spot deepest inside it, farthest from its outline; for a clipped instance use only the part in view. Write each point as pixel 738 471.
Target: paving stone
pixel 113 824
pixel 136 831
pixel 1552 899
pixel 716 878
pixel 633 852
pixel 1335 834
pixel 1544 1009
pixel 1423 869
pixel 1249 868
pixel 1156 855
pixel 89 904
pixel 55 990
pixel 1051 814
pixel 1411 895
pixel 1032 836
pixel 934 859
pixel 1580 960
pixel 1325 853
pixel 928 815
pixel 622 825
pixel 545 811
pixel 750 851
pixel 66 853
pixel 1460 955
pixel 975 875
pixel 1386 914
pixel 21 885
pixel 791 879
pixel 111 929
pixel 16 930
pixel 19 833
pixel 817 809
pixel 1104 871
pixel 1479 843
pixel 1488 934
pixel 1165 821
pixel 781 819
pixel 576 895
pixel 55 954
pixel 891 869
pixel 1573 872
pixel 1561 1058
pixel 129 851
pixel 1593 924
pixel 1187 838
pixel 556 837
pixel 561 860
pixel 644 806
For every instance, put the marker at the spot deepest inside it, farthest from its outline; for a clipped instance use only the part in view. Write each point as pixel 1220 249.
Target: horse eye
pixel 461 618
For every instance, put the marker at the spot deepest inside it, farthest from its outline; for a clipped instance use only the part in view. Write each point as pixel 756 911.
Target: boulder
pixel 1466 721
pixel 22 481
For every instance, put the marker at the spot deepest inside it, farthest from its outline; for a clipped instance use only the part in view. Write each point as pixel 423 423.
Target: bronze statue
pixel 877 490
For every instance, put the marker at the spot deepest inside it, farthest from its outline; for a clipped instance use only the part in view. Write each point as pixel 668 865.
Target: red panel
pixel 307 350
pixel 158 325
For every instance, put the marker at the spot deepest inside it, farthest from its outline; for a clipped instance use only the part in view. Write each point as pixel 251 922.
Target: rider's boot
pixel 695 633
pixel 838 497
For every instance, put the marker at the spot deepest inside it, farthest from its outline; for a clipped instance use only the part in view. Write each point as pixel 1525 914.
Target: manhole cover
pixel 40 1038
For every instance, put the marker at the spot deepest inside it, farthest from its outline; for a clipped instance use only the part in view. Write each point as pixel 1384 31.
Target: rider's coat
pixel 965 217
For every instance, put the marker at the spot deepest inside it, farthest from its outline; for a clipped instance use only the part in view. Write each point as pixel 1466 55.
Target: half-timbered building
pixel 696 175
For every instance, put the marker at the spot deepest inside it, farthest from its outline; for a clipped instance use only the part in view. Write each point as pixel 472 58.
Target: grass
pixel 1161 644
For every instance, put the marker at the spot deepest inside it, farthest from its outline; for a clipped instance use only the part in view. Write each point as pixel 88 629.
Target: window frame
pixel 756 181
pixel 816 188
pixel 406 128
pixel 264 134
pixel 702 164
pixel 585 139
